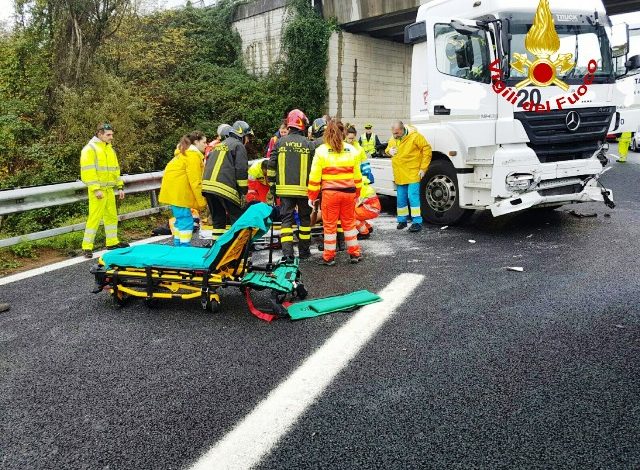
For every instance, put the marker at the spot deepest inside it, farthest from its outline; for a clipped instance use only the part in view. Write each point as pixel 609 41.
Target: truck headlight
pixel 519 182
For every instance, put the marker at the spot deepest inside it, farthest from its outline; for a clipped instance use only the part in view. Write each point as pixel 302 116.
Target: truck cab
pixel 516 102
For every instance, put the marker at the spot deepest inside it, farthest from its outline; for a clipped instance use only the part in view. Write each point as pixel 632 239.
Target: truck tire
pixel 439 195
pixel 634 145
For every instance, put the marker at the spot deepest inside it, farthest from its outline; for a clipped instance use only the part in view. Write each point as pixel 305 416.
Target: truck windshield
pixel 585 42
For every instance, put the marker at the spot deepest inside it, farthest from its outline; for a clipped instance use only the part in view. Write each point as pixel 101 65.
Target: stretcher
pixel 153 272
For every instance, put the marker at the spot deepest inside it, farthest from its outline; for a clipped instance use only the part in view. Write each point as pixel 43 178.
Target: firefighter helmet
pixel 241 129
pixel 318 127
pixel 297 120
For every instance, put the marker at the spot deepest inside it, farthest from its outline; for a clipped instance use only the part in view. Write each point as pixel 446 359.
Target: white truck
pixel 514 121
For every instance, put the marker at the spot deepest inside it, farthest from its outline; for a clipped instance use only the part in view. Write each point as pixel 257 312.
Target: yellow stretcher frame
pixel 158 282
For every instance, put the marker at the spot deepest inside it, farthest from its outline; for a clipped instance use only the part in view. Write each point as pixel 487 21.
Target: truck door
pixel 460 93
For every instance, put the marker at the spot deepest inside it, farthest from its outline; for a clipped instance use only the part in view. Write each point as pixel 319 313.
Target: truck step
pixel 477 185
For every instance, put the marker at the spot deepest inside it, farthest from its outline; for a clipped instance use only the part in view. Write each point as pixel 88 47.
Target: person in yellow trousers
pixel 624 141
pixel 182 185
pixel 100 171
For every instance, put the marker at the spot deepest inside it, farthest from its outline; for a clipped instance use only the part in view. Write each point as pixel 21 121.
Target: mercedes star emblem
pixel 572 121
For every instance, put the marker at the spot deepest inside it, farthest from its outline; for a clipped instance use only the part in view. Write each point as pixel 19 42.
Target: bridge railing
pixel 13 201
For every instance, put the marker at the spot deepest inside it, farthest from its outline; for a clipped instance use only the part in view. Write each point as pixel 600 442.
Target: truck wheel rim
pixel 441 193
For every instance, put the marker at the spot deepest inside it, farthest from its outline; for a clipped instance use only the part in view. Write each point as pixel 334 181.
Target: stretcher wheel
pixel 212 306
pixel 301 291
pixel 119 298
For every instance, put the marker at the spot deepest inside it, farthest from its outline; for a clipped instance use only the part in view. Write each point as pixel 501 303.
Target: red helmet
pixel 297 119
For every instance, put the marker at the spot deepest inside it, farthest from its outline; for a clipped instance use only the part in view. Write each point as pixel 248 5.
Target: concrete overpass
pixel 386 19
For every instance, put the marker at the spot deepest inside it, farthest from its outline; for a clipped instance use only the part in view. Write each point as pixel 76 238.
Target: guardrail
pixel 13 201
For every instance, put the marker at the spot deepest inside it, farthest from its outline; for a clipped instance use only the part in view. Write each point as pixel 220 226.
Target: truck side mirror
pixel 633 63
pixel 415 33
pixel 619 40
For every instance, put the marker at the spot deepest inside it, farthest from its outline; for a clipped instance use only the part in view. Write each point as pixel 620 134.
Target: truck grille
pixel 552 141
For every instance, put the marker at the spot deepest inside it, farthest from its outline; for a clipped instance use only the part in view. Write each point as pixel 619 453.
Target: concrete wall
pixel 260 27
pixel 369 81
pixel 348 11
pixel 368 78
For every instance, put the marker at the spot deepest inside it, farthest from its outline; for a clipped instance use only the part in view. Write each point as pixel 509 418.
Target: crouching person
pixel 367 208
pixel 182 185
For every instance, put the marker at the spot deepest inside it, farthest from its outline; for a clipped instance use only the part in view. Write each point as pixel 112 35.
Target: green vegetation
pixel 68 65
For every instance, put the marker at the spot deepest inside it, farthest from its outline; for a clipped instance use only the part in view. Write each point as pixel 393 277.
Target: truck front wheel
pixel 439 195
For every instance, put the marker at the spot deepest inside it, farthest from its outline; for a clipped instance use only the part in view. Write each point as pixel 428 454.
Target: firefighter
pixel 100 171
pixel 288 174
pixel 225 178
pixel 369 141
pixel 181 186
pixel 258 186
pixel 624 141
pixel 317 131
pixel 410 157
pixel 367 208
pixel 335 172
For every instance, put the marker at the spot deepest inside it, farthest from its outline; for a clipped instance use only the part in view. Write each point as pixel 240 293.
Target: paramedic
pixel 335 172
pixel 258 187
pixel 367 208
pixel 100 171
pixel 182 185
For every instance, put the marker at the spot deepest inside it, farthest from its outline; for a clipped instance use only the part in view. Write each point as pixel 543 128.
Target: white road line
pixel 245 445
pixel 66 263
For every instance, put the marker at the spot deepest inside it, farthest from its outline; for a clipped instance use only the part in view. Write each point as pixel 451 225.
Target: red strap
pixel 254 311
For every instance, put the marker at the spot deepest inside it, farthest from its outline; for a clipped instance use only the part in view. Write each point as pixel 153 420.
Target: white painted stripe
pixel 246 444
pixel 68 262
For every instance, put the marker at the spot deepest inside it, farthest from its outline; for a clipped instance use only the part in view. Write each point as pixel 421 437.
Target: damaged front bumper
pixel 591 192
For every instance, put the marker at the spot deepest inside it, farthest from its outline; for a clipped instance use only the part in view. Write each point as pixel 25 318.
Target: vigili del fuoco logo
pixel 543 42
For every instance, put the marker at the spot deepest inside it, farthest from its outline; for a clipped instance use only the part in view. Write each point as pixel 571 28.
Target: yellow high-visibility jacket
pixel 182 180
pixel 414 154
pixel 362 155
pixel 99 167
pixel 338 171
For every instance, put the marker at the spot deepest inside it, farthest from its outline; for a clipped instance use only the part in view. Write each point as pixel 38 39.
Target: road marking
pixel 66 263
pixel 251 439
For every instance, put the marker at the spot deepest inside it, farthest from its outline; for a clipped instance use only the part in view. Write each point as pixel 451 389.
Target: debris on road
pixel 472 241
pixel 517 256
pixel 515 268
pixel 620 326
pixel 607 216
pixel 529 236
pixel 582 215
pixel 444 228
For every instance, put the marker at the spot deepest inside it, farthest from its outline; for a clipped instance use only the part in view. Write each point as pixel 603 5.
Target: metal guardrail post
pixel 154 198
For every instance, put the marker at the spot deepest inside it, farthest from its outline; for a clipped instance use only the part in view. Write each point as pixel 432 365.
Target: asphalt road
pixel 481 367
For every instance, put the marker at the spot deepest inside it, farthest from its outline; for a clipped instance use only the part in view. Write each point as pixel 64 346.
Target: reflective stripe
pixel 415 212
pixel 291 190
pixel 111 227
pixel 337 170
pixel 351 233
pixel 304 165
pixel 90 231
pixel 243 183
pixel 305 237
pixel 221 189
pixel 403 211
pixel 330 236
pixel 286 230
pixel 351 243
pixel 287 239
